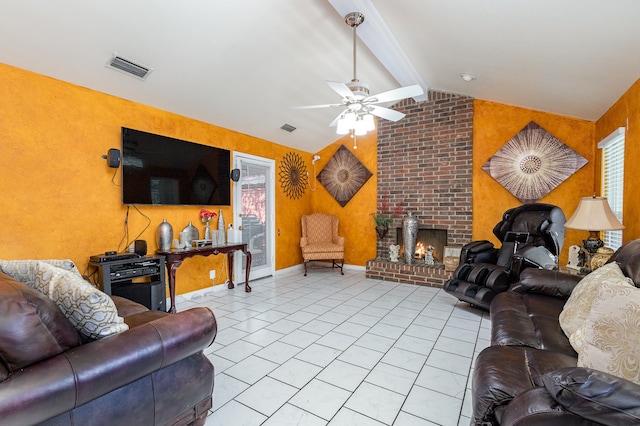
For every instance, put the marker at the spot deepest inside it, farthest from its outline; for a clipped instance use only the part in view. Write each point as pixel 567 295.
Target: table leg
pixel 248 268
pixel 230 266
pixel 173 266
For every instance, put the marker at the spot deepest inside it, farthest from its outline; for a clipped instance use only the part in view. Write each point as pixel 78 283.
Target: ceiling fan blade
pixel 396 94
pixel 335 120
pixel 340 88
pixel 386 113
pixel 317 106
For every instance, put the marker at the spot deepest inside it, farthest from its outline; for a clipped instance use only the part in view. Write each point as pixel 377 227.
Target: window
pixel 612 181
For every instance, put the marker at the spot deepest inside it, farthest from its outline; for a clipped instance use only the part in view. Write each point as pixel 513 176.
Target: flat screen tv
pixel 160 170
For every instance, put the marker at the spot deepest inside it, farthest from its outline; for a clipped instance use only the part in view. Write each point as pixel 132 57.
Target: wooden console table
pixel 175 257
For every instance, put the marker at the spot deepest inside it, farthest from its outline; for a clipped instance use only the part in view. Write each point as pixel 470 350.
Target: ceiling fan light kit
pixel 360 106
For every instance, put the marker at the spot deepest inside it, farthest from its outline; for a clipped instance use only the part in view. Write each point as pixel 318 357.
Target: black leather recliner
pixel 532 235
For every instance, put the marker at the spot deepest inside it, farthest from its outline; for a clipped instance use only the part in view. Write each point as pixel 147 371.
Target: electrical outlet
pixel 212 274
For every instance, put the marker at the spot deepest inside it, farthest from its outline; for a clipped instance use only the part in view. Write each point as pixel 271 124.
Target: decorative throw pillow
pixel 91 311
pixel 612 332
pixel 25 270
pixel 577 308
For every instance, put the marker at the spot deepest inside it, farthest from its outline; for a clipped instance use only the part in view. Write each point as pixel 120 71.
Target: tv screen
pixel 161 170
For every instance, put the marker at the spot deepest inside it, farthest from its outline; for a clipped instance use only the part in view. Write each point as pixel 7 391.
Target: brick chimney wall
pixel 425 166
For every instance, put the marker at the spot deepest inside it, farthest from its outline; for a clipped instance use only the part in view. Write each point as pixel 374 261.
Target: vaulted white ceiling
pixel 243 64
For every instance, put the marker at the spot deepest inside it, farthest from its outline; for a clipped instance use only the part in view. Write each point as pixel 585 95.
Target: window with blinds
pixel 612 181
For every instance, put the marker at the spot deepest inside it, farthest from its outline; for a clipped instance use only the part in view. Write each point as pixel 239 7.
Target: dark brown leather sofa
pixel 529 376
pixel 155 373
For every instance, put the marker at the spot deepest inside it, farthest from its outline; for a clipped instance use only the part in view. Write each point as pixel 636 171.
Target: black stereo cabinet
pixel 141 279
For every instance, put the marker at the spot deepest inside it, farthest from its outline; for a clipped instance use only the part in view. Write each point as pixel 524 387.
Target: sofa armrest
pixel 303 242
pixel 595 395
pixel 84 373
pixel 547 282
pixel 339 241
pixel 536 407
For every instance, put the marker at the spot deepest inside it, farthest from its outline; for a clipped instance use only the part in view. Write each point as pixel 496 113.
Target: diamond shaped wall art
pixel 533 163
pixel 343 175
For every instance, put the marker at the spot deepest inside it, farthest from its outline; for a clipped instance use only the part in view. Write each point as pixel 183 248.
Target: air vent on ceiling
pixel 119 63
pixel 288 127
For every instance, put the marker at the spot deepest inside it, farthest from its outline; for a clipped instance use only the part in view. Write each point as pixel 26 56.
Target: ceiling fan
pixel 359 106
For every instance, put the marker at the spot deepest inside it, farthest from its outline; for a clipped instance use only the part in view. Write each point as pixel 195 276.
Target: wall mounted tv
pixel 160 170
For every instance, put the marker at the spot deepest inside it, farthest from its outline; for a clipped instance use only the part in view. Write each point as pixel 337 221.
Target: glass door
pixel 254 214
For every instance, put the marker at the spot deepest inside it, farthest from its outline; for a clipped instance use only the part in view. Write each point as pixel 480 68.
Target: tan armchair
pixel 320 240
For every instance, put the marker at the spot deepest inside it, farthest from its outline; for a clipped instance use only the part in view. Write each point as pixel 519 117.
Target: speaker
pixel 140 247
pixel 152 295
pixel 235 175
pixel 113 158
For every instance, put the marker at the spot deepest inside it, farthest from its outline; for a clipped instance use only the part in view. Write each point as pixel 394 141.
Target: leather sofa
pixel 154 373
pixel 529 374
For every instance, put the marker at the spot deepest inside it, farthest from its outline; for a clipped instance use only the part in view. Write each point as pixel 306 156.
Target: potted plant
pixel 382 224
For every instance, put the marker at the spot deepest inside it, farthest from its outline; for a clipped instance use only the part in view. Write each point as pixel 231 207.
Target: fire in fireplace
pixel 427 237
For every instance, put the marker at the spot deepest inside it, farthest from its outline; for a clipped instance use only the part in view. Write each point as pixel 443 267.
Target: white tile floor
pixel 335 350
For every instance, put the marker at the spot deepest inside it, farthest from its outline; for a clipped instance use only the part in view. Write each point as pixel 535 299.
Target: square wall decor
pixel 533 163
pixel 343 175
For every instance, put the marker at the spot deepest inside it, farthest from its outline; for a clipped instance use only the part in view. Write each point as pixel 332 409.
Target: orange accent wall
pixel 626 108
pixel 356 223
pixel 61 200
pixel 493 125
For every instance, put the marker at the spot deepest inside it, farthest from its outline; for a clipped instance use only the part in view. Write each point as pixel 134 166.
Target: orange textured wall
pixel 356 223
pixel 60 200
pixel 625 113
pixel 493 125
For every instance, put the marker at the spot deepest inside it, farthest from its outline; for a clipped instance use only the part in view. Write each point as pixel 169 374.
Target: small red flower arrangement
pixel 207 215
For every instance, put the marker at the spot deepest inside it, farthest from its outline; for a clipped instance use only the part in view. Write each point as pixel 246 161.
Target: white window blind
pixel 612 181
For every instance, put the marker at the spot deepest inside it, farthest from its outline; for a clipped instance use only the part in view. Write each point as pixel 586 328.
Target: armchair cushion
pixel 28 316
pixel 594 395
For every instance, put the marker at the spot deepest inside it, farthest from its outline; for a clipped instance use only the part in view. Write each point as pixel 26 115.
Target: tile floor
pixel 335 350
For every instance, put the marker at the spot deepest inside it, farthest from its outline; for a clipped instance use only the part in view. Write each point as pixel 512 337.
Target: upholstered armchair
pixel 320 240
pixel 532 235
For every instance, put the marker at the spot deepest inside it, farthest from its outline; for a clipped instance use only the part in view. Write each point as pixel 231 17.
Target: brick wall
pixel 425 166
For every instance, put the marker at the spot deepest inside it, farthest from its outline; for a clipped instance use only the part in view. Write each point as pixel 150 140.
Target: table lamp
pixel 594 215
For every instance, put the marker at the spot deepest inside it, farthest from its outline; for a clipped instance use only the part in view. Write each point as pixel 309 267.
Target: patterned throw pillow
pixel 577 308
pixel 25 270
pixel 91 311
pixel 612 333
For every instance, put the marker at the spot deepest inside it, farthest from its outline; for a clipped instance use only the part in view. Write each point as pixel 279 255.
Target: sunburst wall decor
pixel 343 175
pixel 293 175
pixel 533 163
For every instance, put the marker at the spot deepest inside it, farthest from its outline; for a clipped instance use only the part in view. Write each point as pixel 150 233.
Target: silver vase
pixel 207 231
pixel 409 237
pixel 164 235
pixel 192 233
pixel 221 230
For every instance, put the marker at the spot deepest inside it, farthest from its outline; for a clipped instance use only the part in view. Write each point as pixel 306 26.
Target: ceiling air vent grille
pixel 125 65
pixel 287 127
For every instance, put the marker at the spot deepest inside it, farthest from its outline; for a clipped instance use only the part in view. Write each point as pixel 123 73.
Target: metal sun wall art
pixel 293 175
pixel 533 163
pixel 344 175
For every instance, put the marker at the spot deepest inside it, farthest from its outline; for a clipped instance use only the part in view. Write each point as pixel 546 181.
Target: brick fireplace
pixel 425 166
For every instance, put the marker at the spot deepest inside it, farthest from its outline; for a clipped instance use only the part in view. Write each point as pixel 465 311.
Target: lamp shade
pixel 594 214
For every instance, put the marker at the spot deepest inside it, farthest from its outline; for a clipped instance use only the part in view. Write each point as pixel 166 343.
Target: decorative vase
pixel 207 231
pixel 192 233
pixel 221 231
pixel 381 230
pixel 164 235
pixel 409 237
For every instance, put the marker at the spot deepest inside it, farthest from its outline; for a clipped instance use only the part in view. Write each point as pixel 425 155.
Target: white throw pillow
pixel 612 332
pixel 577 308
pixel 91 311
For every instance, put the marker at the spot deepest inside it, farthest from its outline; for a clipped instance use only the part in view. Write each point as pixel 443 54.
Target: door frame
pixel 270 226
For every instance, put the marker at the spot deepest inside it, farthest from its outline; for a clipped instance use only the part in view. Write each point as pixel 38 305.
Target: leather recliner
pixel 532 235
